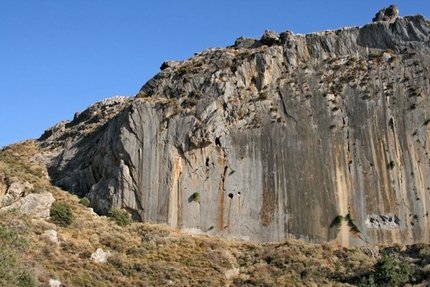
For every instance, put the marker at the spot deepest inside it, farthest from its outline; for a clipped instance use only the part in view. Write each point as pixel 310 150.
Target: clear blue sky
pixel 59 56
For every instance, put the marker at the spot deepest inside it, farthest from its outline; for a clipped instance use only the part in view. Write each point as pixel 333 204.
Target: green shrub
pixel 61 214
pixel 388 272
pixel 348 217
pixel 122 218
pixel 84 201
pixel 141 94
pixel 338 219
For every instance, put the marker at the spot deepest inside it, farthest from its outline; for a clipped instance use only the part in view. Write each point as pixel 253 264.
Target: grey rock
pixel 43 158
pixel 246 43
pixel 57 129
pixel 54 283
pixel 388 14
pixel 269 38
pixel 170 64
pixel 52 235
pixel 386 56
pixel 15 191
pixel 98 112
pixel 274 141
pixel 34 204
pixel 100 256
pixel 83 123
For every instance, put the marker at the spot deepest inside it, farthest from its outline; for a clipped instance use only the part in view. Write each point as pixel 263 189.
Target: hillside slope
pixel 80 248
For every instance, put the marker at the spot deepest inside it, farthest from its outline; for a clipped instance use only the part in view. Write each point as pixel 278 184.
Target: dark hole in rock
pixel 217 142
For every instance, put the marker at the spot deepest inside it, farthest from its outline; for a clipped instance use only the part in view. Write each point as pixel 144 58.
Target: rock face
pixel 317 137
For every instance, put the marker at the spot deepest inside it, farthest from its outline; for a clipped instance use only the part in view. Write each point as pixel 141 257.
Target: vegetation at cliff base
pixel 61 214
pixel 142 254
pixel 84 201
pixel 122 218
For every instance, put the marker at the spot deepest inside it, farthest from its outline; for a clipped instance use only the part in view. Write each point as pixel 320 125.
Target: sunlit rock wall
pixel 321 137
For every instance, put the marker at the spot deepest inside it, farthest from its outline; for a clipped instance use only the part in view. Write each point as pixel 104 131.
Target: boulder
pixel 100 256
pixel 15 191
pixel 54 283
pixel 34 204
pixel 246 43
pixel 52 235
pixel 269 38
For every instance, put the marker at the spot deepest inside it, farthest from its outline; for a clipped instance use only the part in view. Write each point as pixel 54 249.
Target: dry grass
pixel 15 163
pixel 144 254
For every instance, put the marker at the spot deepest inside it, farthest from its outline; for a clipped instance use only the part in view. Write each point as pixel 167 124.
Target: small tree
pixel 61 214
pixel 84 201
pixel 122 218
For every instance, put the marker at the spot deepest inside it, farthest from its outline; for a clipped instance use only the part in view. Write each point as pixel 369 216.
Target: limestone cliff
pixel 322 137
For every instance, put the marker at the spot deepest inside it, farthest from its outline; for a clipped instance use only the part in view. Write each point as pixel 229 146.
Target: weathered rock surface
pixel 95 116
pixel 100 256
pixel 51 235
pixel 269 139
pixel 54 283
pixel 269 38
pixel 387 14
pixel 243 42
pixel 15 191
pixel 170 64
pixel 34 204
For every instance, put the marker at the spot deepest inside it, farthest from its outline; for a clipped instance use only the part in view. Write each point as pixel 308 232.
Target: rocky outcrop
pixel 34 204
pixel 86 122
pixel 16 190
pixel 19 196
pixel 269 38
pixel 271 139
pixel 387 14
